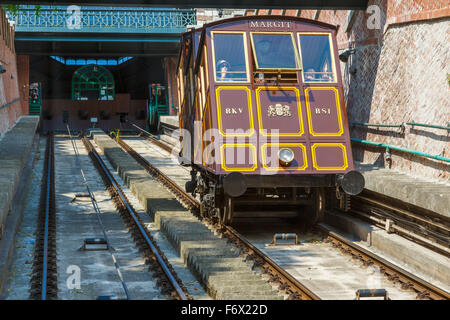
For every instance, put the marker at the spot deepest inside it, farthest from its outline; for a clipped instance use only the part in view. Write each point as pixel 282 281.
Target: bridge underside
pixel 96 44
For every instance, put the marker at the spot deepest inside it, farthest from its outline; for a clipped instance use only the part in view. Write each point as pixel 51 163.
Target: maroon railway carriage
pixel 264 119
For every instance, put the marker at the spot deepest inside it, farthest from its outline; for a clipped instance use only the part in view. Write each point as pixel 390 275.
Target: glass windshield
pixel 229 53
pixel 274 51
pixel 316 58
pixel 196 43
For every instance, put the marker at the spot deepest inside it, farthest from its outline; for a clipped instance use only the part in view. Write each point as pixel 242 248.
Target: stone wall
pixel 11 107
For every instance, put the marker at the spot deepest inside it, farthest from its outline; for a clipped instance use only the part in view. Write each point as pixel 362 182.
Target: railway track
pixel 293 288
pixel 411 222
pixel 168 279
pixel 44 279
pixel 423 289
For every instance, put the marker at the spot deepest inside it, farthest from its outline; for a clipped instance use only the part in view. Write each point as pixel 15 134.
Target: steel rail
pixel 424 288
pixel 44 280
pixel 192 203
pixel 366 124
pixel 432 232
pixel 404 232
pixel 123 199
pixel 306 294
pixel 48 201
pixel 186 198
pixel 387 206
pixel 153 139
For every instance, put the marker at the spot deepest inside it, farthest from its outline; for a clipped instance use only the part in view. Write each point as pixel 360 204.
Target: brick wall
pixel 209 15
pixel 23 72
pixel 11 107
pixel 398 74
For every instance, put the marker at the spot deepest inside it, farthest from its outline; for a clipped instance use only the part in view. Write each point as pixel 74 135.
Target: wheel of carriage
pixel 314 213
pixel 226 214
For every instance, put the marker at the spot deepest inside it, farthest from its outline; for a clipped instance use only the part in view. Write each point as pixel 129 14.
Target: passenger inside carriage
pixel 310 75
pixel 316 58
pixel 224 68
pixel 230 57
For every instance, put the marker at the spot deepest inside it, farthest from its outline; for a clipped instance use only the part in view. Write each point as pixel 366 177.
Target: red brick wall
pixel 23 70
pixel 398 74
pixel 9 86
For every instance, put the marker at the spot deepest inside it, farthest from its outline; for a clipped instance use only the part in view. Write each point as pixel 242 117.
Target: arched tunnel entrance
pixel 106 90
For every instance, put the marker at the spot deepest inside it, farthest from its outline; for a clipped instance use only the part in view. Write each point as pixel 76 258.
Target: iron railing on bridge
pixel 102 19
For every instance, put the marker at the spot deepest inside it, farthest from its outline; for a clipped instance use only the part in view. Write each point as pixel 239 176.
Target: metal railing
pixel 102 20
pixel 389 147
pixel 402 125
pixel 413 124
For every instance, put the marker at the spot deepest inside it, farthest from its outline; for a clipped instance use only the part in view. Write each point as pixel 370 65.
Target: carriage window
pixel 196 43
pixel 316 58
pixel 274 51
pixel 229 55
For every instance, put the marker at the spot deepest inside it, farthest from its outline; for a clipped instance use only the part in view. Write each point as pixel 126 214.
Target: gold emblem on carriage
pixel 279 110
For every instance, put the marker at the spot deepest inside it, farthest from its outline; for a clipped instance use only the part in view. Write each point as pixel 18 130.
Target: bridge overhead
pixel 255 4
pixel 100 30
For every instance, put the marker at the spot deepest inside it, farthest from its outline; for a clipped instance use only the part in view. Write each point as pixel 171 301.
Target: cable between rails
pixel 97 212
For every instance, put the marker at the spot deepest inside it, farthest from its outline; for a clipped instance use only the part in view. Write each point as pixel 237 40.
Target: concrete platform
pixel 427 194
pixel 18 239
pixel 15 147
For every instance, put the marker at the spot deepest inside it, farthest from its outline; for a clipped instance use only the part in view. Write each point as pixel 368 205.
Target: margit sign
pixel 273 24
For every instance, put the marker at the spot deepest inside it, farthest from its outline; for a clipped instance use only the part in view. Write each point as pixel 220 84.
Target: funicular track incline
pixel 171 283
pixel 424 289
pixel 287 282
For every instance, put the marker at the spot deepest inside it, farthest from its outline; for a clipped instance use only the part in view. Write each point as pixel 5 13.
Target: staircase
pixel 35 110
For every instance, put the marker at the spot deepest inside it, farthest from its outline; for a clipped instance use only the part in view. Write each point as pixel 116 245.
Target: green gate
pixel 35 100
pixel 93 82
